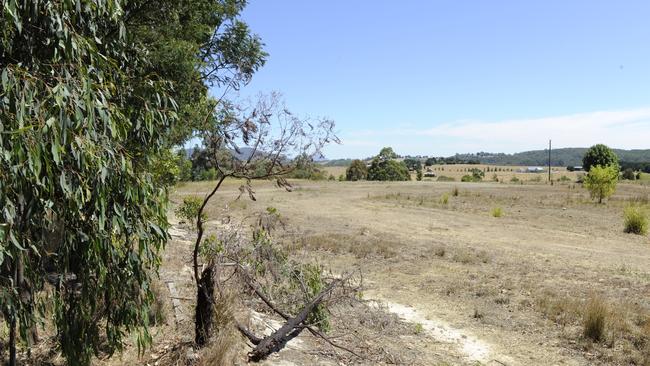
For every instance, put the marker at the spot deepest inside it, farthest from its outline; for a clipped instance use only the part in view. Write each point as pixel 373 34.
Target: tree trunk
pixel 12 342
pixel 204 307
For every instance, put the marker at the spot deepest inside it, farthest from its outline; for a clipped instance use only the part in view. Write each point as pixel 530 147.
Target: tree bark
pixel 12 342
pixel 204 315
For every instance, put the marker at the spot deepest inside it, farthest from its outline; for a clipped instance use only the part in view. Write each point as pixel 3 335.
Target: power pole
pixel 549 160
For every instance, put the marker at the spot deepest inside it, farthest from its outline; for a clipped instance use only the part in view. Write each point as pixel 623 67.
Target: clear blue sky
pixel 440 77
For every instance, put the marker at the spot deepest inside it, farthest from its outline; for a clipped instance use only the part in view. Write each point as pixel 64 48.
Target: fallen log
pixel 291 329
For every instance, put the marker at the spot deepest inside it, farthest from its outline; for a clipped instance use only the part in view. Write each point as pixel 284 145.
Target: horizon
pixel 447 78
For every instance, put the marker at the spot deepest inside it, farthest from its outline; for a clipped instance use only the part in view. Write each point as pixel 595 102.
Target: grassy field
pixel 522 284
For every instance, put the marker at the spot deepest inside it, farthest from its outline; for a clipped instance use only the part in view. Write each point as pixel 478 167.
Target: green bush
pixel 189 209
pixel 636 220
pixel 628 174
pixel 496 212
pixel 514 179
pixel 356 171
pixel 444 199
pixel 601 181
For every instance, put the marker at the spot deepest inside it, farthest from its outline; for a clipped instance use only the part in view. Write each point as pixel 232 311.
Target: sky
pixel 445 77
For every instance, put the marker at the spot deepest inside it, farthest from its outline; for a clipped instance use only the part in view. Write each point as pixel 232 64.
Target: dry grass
pixel 361 245
pixel 470 256
pixel 222 349
pixel 159 309
pixel 595 318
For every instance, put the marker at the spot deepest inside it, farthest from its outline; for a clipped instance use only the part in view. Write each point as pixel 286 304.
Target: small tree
pixel 384 167
pixel 601 181
pixel 599 155
pixel 418 175
pixel 413 164
pixel 356 171
pixel 271 132
pixel 628 174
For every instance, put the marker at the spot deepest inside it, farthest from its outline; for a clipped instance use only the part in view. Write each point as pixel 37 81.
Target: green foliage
pixel 413 164
pixel 477 174
pixel 388 170
pixel 82 123
pixel 599 155
pixel 305 168
pixel 635 219
pixel 385 168
pixel 184 166
pixel 194 46
pixel 496 212
pixel 387 153
pixel 444 199
pixel 356 171
pixel 601 181
pixel 166 168
pixel 189 209
pixel 628 174
pixel 514 179
pixel 311 275
pixel 418 175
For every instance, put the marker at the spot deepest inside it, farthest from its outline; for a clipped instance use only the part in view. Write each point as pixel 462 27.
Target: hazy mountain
pixel 559 157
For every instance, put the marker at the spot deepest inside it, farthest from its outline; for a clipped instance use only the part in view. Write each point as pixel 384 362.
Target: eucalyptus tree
pixel 91 93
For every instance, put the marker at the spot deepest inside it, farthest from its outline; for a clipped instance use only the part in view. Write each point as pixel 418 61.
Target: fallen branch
pixel 292 328
pixel 315 332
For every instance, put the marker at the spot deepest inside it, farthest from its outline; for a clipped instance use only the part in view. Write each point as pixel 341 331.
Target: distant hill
pixel 559 157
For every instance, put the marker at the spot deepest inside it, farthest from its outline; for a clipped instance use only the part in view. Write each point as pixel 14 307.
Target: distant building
pixel 535 169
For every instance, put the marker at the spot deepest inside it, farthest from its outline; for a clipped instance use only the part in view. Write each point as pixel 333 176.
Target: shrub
pixel 628 174
pixel 495 177
pixel 455 192
pixel 477 174
pixel 418 175
pixel 514 179
pixel 439 251
pixel 356 171
pixel 331 177
pixel 444 199
pixel 189 208
pixel 636 220
pixel 564 178
pixel 497 212
pixel 601 182
pixel 444 178
pixel 594 319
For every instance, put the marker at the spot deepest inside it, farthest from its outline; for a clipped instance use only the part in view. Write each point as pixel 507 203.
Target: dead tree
pixel 274 135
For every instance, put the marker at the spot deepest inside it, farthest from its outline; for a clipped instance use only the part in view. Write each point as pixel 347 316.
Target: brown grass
pixel 361 245
pixel 595 318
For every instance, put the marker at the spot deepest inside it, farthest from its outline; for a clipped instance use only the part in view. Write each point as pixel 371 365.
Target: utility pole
pixel 549 161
